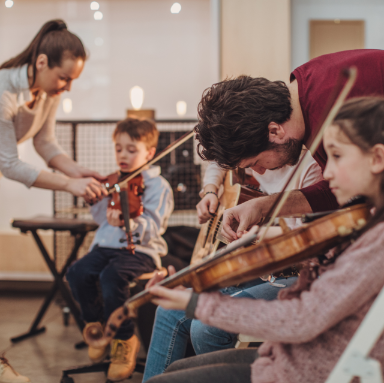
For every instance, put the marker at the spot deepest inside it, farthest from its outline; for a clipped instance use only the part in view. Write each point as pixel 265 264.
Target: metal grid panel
pixel 90 144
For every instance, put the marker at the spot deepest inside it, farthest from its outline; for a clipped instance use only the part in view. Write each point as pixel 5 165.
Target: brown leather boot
pixel 123 358
pixel 96 354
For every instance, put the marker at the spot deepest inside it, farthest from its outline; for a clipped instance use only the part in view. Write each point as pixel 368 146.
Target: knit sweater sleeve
pixel 10 164
pixel 341 290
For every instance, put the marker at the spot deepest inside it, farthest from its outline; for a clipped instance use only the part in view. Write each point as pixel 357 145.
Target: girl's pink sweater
pixel 306 334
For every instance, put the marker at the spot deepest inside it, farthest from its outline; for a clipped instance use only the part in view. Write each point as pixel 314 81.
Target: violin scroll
pixel 96 338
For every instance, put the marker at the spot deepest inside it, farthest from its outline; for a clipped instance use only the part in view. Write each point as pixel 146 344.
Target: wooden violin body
pixel 248 263
pixel 134 188
pixel 126 197
pixel 234 193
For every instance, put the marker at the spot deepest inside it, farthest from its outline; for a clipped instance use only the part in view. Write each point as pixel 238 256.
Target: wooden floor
pixel 42 357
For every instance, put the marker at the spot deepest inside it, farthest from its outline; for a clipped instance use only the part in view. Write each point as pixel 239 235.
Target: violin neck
pixel 187 277
pixel 181 278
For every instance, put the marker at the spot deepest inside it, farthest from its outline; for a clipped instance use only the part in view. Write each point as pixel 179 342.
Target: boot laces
pixel 120 350
pixel 5 362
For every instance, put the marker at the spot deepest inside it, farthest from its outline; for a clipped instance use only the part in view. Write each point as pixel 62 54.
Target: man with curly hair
pixel 261 124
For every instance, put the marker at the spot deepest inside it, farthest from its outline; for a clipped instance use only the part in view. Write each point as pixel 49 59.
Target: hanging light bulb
pixel 67 105
pixel 136 95
pixel 181 108
pixel 9 3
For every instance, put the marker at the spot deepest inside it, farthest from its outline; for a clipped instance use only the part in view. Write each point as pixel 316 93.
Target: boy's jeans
pixel 112 269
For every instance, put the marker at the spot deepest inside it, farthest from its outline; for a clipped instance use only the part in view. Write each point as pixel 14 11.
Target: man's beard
pixel 290 151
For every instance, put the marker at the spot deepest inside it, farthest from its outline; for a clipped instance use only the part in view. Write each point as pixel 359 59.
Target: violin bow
pixel 333 107
pixel 158 157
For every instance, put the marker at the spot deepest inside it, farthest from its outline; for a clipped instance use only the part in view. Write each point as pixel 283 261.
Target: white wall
pixel 372 11
pixel 171 56
pixel 256 39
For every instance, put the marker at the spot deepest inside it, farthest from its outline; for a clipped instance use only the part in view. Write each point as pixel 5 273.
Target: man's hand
pixel 171 299
pixel 158 277
pixel 113 217
pixel 239 219
pixel 207 207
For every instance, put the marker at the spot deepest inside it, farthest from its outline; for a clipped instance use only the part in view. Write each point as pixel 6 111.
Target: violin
pixel 128 200
pixel 127 188
pixel 228 267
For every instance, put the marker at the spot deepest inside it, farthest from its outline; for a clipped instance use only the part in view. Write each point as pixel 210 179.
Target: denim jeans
pixel 112 269
pixel 172 329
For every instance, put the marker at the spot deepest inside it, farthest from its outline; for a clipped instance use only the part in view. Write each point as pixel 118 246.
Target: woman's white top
pixel 273 181
pixel 18 123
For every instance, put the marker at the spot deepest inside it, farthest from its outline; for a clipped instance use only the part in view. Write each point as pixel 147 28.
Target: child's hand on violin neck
pixel 113 217
pixel 176 299
pixel 158 277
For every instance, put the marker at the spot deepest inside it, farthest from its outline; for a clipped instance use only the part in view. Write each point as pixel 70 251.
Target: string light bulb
pixel 95 6
pixel 98 15
pixel 176 8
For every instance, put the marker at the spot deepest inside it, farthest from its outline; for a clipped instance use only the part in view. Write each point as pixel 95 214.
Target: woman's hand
pixel 72 169
pixel 89 188
pixel 171 299
pixel 113 217
pixel 207 207
pixel 84 172
pixel 158 277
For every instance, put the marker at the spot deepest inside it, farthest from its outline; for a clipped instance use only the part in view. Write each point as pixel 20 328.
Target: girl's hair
pixel 362 121
pixel 53 40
